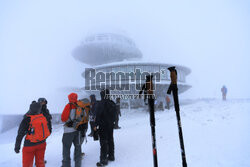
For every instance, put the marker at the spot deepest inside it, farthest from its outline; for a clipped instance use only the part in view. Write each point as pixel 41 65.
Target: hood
pixel 72 97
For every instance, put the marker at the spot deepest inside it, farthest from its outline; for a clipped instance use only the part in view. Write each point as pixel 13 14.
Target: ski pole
pixel 149 89
pixel 152 124
pixel 173 88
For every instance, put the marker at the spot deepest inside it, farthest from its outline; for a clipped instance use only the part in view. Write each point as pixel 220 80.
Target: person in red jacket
pixel 70 135
pixel 168 102
pixel 35 127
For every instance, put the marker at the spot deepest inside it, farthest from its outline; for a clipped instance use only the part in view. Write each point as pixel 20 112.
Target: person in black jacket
pixel 147 89
pixel 34 145
pixel 45 112
pixel 104 122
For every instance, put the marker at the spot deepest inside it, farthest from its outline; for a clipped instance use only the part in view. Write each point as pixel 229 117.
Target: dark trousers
pixel 106 142
pixel 92 125
pixel 67 140
pixel 116 121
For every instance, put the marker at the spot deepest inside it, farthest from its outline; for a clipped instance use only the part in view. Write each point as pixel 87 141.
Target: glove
pixel 69 124
pixel 17 150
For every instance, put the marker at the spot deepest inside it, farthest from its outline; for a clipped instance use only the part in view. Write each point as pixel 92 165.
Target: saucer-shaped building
pixel 106 48
pixel 117 53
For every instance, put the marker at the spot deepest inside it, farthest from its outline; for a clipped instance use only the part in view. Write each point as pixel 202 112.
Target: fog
pixel 37 38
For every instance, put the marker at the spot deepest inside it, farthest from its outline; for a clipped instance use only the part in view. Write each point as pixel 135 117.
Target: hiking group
pixel 36 126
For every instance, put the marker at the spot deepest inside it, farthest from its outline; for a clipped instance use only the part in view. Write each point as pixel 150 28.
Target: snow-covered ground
pixel 216 134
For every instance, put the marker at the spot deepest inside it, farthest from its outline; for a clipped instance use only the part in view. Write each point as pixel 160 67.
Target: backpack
pixel 38 128
pixel 81 118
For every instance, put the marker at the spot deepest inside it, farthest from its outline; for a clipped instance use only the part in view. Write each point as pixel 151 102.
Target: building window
pixel 130 68
pixel 163 72
pixel 139 67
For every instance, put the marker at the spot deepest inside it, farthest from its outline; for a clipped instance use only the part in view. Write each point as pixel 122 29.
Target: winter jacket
pixel 224 90
pixel 35 109
pixel 105 113
pixel 168 99
pixel 68 113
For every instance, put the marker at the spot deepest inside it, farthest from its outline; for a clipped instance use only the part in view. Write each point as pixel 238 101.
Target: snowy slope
pixel 216 134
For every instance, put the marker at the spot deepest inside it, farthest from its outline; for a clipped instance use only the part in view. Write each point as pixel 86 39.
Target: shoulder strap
pixel 71 104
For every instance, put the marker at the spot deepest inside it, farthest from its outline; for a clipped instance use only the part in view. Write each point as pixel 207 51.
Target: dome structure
pixel 106 48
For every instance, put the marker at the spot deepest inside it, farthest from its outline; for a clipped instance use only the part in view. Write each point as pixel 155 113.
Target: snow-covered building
pixel 115 53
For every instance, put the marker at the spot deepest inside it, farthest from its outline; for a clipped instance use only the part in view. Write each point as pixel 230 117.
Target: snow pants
pixel 67 140
pixel 106 142
pixel 37 151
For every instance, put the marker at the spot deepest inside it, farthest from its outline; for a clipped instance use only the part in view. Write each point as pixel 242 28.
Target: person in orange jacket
pixel 71 135
pixel 36 129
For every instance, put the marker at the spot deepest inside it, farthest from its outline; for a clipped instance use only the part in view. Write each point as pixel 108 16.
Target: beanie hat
pixel 42 99
pixel 35 107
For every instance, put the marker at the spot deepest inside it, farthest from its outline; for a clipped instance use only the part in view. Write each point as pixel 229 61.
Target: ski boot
pixel 111 158
pixel 102 163
pixel 82 155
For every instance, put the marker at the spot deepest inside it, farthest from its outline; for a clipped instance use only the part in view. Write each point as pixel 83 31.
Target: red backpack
pixel 38 128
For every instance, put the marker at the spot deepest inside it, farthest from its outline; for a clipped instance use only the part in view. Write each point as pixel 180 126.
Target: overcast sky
pixel 210 37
